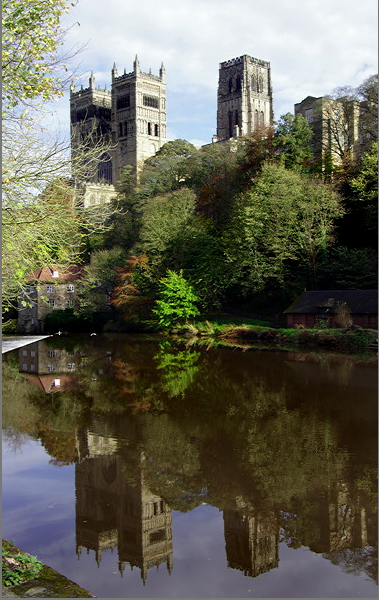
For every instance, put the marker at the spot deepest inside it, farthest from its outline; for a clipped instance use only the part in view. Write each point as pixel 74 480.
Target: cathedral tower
pixel 244 97
pixel 138 116
pixel 90 112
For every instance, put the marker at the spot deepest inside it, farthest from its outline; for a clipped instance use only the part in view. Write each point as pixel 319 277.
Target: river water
pixel 139 468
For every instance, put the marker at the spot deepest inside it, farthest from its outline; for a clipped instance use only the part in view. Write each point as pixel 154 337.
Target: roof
pixel 315 302
pixel 57 273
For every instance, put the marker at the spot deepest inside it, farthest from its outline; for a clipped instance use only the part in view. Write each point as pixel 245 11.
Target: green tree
pixel 293 139
pixel 176 300
pixel 284 218
pixel 99 279
pixel 165 219
pixel 32 35
pixel 167 169
pixel 365 186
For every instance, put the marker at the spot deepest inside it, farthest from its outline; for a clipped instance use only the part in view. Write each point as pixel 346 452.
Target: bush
pixel 176 300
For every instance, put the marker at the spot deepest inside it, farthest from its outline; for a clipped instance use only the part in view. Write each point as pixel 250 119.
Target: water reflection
pixel 275 441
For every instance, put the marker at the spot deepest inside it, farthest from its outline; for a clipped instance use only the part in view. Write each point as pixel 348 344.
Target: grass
pixel 18 567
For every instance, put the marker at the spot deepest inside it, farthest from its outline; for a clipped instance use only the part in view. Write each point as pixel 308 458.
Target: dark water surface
pixel 139 468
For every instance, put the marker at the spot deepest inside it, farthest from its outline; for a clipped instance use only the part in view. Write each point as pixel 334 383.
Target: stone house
pixel 48 289
pixel 328 306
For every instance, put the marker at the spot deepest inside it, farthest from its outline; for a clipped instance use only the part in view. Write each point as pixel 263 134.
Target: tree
pixel 99 279
pixel 40 225
pixel 368 95
pixel 32 36
pixel 176 300
pixel 365 186
pixel 166 171
pixel 133 295
pixel 293 139
pixel 166 218
pixel 284 218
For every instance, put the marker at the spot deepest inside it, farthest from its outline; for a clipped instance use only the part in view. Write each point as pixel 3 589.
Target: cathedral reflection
pixel 251 539
pixel 110 512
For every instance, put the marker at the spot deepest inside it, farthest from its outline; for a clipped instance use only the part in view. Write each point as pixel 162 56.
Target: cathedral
pixel 132 115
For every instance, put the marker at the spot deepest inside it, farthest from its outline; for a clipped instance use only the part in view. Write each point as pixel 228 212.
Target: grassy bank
pixel 245 334
pixel 24 575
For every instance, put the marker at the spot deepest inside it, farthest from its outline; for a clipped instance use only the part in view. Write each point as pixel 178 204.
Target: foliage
pixel 132 295
pixel 349 268
pixel 9 326
pixel 17 568
pixel 165 219
pixel 178 369
pixel 176 300
pixel 365 186
pixel 32 35
pixel 65 320
pixel 99 279
pixel 284 217
pixel 293 139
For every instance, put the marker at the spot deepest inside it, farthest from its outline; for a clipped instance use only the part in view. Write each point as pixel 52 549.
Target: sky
pixel 313 47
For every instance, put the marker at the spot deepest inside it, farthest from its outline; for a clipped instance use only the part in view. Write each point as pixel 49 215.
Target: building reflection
pixel 251 539
pixel 112 513
pixel 343 522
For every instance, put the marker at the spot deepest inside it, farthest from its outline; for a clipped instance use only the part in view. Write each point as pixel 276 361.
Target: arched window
pixel 253 83
pixel 125 128
pixel 149 129
pixel 261 119
pixel 104 169
pixel 230 123
pixel 260 84
pixel 120 129
pixel 256 122
pixel 238 83
pixel 231 85
pixel 236 118
pixel 156 130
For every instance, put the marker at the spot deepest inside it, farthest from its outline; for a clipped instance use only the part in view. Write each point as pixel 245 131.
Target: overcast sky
pixel 313 46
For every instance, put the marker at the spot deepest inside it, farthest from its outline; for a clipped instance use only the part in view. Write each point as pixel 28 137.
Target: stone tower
pixel 138 116
pixel 244 97
pixel 90 112
pixel 132 114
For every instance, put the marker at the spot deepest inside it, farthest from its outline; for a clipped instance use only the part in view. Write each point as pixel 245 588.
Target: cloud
pixel 312 46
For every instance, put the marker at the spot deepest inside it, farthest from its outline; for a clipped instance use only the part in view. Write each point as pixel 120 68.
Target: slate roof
pixel 65 273
pixel 316 302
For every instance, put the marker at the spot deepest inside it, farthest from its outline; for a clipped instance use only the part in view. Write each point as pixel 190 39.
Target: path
pixel 17 341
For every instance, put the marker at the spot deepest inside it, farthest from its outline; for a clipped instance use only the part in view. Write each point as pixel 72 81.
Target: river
pixel 141 468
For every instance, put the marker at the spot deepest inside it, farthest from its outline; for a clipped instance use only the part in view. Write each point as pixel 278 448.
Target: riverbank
pixel 33 579
pixel 350 340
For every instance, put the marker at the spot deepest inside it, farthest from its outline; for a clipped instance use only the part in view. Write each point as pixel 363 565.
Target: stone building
pixel 244 101
pixel 132 115
pixel 48 289
pixel 336 127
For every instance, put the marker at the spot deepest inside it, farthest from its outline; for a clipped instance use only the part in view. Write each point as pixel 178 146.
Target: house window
pixel 52 303
pixel 69 303
pixel 52 353
pixel 32 367
pixel 49 289
pixel 24 366
pixel 70 288
pixel 24 353
pixel 32 353
pixel 71 366
pixel 51 368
